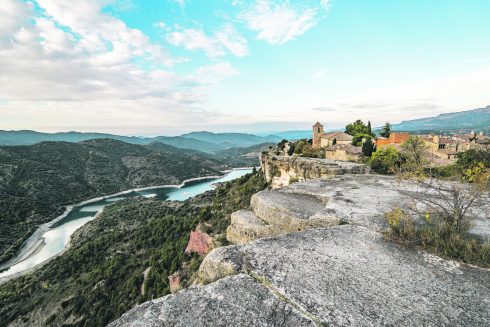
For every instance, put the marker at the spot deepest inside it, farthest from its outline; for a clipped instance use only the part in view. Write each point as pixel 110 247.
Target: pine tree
pixel 369 131
pixel 386 130
pixel 368 147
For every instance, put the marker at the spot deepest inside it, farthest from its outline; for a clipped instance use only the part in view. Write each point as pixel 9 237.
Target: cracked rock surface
pixel 350 276
pixel 346 275
pixel 232 301
pixel 355 199
pixel 338 276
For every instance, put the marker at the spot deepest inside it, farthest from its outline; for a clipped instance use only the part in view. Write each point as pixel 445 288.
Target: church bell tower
pixel 317 135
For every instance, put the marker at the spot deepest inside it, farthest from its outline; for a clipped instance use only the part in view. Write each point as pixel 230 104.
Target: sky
pixel 165 67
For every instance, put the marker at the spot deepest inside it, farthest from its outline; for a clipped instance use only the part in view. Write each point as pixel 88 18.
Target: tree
pixel 386 130
pixel 282 144
pixel 369 131
pixel 385 160
pixel 451 198
pixel 472 157
pixel 368 147
pixel 357 127
pixel 357 140
pixel 415 155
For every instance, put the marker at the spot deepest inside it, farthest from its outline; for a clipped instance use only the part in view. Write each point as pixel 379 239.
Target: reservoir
pixel 54 240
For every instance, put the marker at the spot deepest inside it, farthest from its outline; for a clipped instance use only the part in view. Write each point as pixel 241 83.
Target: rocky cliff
pixel 288 270
pixel 282 170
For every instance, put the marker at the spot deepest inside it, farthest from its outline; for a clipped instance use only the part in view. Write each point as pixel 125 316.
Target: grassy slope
pixel 37 181
pixel 100 276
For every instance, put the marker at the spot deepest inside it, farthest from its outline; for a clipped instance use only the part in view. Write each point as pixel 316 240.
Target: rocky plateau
pixel 313 254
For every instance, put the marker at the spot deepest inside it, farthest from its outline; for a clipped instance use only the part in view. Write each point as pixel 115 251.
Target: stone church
pixel 322 140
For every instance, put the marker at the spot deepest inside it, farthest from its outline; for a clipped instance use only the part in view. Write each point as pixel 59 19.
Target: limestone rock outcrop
pixel 339 276
pixel 174 282
pixel 199 242
pixel 354 199
pixel 342 275
pixel 231 301
pixel 281 170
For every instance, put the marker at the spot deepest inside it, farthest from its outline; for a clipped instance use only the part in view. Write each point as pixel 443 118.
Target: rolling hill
pixel 36 181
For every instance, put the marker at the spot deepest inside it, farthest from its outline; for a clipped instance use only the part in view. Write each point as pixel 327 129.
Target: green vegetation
pixel 386 130
pixel 303 148
pixel 37 181
pixel 433 234
pixel 101 275
pixel 359 131
pixel 447 195
pixel 386 160
pixel 368 147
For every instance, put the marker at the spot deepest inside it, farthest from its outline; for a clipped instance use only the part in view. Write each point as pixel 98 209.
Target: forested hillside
pixel 37 181
pixel 101 275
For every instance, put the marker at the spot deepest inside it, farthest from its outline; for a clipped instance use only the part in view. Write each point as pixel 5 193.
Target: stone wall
pixel 280 171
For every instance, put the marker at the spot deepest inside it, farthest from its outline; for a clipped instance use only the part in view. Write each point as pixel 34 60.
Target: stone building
pixel 322 140
pixel 317 135
pixel 394 138
pixel 344 152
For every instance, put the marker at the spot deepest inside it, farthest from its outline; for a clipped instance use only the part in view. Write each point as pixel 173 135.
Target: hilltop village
pixel 359 144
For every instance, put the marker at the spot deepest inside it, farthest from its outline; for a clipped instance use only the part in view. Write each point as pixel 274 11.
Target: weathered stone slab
pixel 246 227
pixel 291 212
pixel 233 301
pixel 350 276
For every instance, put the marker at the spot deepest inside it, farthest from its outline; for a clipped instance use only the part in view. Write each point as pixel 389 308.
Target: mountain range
pixel 202 141
pixel 477 119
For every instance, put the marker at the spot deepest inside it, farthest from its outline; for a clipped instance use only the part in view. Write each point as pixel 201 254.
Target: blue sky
pixel 170 66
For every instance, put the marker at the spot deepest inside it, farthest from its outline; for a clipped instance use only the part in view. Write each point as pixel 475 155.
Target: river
pixel 55 238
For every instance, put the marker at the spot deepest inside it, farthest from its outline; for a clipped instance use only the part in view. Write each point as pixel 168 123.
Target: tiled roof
pixel 340 136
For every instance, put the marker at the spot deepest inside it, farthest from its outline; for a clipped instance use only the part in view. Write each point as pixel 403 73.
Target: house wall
pixel 341 155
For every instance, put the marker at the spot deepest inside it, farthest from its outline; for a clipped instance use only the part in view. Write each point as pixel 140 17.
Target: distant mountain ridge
pixel 476 119
pixel 201 141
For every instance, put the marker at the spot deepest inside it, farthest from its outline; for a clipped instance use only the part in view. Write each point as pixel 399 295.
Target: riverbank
pixel 35 242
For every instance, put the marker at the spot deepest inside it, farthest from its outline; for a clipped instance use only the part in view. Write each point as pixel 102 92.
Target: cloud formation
pixel 226 40
pixel 279 22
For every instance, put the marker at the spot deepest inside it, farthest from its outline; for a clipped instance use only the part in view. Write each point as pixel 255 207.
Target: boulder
pixel 199 242
pixel 174 282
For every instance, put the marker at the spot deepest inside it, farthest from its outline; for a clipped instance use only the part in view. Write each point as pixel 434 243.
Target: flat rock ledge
pixel 354 199
pixel 338 276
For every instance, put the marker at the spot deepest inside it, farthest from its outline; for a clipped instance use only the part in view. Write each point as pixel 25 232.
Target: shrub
pixel 385 160
pixel 435 235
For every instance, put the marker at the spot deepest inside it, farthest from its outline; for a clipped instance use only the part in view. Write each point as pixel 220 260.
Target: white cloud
pixel 280 22
pixel 71 64
pixel 227 39
pixel 215 72
pixel 232 40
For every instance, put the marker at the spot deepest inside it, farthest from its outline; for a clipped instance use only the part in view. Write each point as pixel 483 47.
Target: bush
pixel 433 234
pixel 385 160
